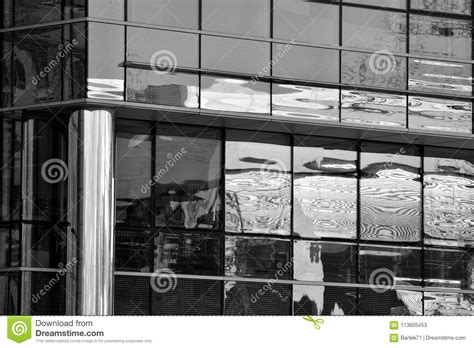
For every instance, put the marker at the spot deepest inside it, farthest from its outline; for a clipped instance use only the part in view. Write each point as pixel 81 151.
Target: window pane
pixel 43 246
pixel 382 3
pixel 325 189
pixel 132 250
pixel 188 253
pixel 449 268
pixel 53 302
pixel 75 80
pixel 440 36
pixel 391 302
pixel 173 13
pixel 131 295
pixel 324 300
pixel 448 304
pixel 245 17
pixel 449 197
pixel 187 180
pixel 257 258
pixel 374 70
pixel 390 192
pixel 173 89
pixel 238 95
pixel 258 183
pixel 374 29
pixel 327 262
pixel 28 12
pixel 7 78
pixel 306 63
pixel 110 9
pixel 9 246
pixel 306 21
pixel 447 115
pixel 305 102
pixel 373 108
pixel 440 77
pixel 449 6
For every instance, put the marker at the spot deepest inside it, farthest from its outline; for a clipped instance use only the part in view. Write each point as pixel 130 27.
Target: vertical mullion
pixel 422 228
pixel 222 217
pixel 358 224
pixel 292 199
pixel 153 229
pixel 407 63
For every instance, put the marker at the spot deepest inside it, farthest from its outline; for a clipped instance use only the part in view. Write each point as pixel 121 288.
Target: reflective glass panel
pixel 131 295
pixel 448 304
pixel 391 302
pixel 173 13
pixel 9 246
pixel 324 300
pixel 449 268
pixel 52 302
pixel 448 6
pixel 29 12
pixel 43 246
pixel 132 250
pixel 401 4
pixel 109 9
pixel 7 78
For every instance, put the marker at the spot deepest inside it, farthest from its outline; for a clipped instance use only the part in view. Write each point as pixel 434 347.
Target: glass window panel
pixel 449 268
pixel 245 298
pixel 258 183
pixel 75 9
pixel 401 4
pixel 236 55
pixel 37 12
pixel 110 9
pixel 188 177
pixel 440 77
pixel 4 295
pixel 43 246
pixel 389 266
pixel 244 17
pixel 9 246
pixel 371 108
pixel 324 300
pixel 7 65
pixel 173 13
pixel 188 253
pixel 75 74
pixel 106 44
pixel 390 191
pixel 7 17
pixel 305 102
pixel 257 258
pixel 440 36
pixel 52 302
pixel 449 6
pixel 4 246
pixel 325 189
pixel 131 295
pixel 238 95
pixel 307 63
pixel 147 86
pixel 306 21
pixel 132 250
pixel 374 70
pixel 449 197
pixel 391 302
pixel 448 304
pixel 374 29
pixel 324 262
pixel 447 115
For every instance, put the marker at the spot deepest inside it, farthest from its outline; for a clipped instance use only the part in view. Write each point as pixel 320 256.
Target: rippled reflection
pixel 324 300
pixel 449 268
pixel 449 6
pixel 438 303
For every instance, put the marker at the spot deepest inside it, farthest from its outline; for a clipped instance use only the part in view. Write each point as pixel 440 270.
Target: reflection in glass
pixel 238 95
pixel 110 9
pixel 391 302
pixel 374 29
pixel 448 115
pixel 324 300
pixel 361 69
pixel 440 77
pixel 390 191
pixel 306 21
pixel 9 246
pixel 440 36
pixel 7 66
pixel 187 177
pixel 33 12
pixel 43 246
pixel 324 262
pixel 449 304
pixel 449 268
pixel 146 86
pixel 401 4
pixel 132 250
pixel 173 13
pixel 325 190
pixel 305 102
pixel 258 183
pixel 448 197
pixel 448 6
pixel 131 295
pixel 373 108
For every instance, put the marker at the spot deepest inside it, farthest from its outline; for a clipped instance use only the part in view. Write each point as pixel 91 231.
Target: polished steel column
pixel 91 209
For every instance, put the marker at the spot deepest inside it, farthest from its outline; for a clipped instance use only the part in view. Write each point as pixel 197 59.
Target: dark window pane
pixel 173 13
pixel 440 77
pixel 392 302
pixel 440 36
pixel 306 21
pixel 9 247
pixel 109 9
pixel 7 18
pixel 257 258
pixel 449 268
pixel 449 197
pixel 132 250
pixel 245 17
pixel 4 295
pixel 245 298
pixel 7 70
pixel 258 183
pixel 390 191
pixel 325 189
pixel 324 300
pixel 374 29
pixel 307 63
pixel 43 246
pixel 446 115
pixel 187 177
pixel 324 262
pixel 305 102
pixel 74 9
pixel 188 253
pixel 53 302
pixel 238 95
pixel 448 304
pixel 448 6
pixel 401 4
pixel 37 12
pixel 371 108
pixel 9 293
pixel 75 78
pixel 375 70
pixel 132 295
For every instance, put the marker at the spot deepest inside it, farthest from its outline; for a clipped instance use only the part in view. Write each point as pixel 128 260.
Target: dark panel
pixel 132 295
pixel 43 293
pixel 36 12
pixel 43 246
pixel 133 250
pixel 449 268
pixel 324 300
pixel 392 302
